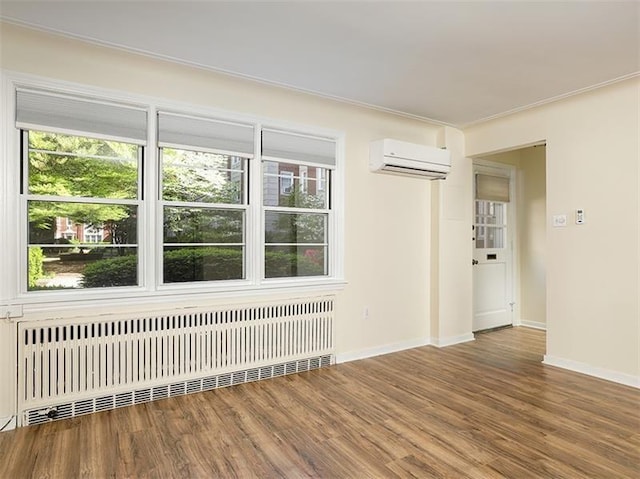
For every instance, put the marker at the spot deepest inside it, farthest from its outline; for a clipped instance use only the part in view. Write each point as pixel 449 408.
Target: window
pixel 491 224
pixel 78 182
pixel 286 182
pixel 204 216
pixel 212 203
pixel 295 225
pixel 492 197
pixel 204 197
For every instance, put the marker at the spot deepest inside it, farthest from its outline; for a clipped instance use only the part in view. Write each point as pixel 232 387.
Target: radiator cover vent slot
pixel 88 365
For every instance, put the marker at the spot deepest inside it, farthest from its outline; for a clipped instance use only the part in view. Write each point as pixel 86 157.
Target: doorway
pixel 510 287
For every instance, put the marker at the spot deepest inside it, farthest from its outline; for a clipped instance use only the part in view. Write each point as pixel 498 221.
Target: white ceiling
pixel 452 62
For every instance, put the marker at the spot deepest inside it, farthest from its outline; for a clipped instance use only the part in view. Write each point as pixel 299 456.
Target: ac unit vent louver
pixel 402 158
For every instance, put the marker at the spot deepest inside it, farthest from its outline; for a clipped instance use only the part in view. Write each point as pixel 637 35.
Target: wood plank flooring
pixel 485 409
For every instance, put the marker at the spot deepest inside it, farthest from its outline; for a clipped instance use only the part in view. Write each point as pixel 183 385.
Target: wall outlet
pixel 579 216
pixel 10 311
pixel 365 313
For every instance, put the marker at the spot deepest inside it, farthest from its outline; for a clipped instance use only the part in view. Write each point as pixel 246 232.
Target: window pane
pixel 490 212
pixel 499 212
pixel 495 237
pixel 490 237
pixel 72 267
pixel 291 261
pixel 188 264
pixel 195 176
pixel 291 185
pixel 202 225
pixel 490 221
pixel 64 165
pixel 93 245
pixel 480 236
pixel 81 223
pixel 295 227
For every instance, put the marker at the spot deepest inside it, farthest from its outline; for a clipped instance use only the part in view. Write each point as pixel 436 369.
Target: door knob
pixel 474 262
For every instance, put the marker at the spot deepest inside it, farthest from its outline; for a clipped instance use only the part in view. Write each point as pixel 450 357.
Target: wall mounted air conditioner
pixel 399 157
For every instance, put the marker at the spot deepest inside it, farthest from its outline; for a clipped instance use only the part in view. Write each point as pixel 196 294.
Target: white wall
pixel 451 273
pixel 532 236
pixel 593 320
pixel 387 255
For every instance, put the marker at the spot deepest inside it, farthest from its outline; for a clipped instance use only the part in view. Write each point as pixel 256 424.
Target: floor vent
pixel 104 403
pixel 76 366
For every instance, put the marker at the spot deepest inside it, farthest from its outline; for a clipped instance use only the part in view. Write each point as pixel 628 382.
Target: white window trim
pixel 150 290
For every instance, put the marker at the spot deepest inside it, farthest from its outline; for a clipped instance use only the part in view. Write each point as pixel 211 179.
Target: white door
pixel 492 260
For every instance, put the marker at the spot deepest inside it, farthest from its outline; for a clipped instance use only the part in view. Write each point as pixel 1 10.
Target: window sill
pixel 116 301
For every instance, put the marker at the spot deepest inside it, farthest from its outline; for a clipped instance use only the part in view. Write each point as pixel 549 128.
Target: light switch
pixel 559 221
pixel 579 216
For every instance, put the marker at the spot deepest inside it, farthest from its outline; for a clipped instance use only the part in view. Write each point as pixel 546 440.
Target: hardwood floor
pixel 485 409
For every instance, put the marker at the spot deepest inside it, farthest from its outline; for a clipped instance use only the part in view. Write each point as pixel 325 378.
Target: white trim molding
pixel 380 350
pixel 532 324
pixel 553 99
pixel 451 340
pixel 607 374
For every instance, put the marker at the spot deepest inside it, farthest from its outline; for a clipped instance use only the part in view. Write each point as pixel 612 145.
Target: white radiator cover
pixel 72 367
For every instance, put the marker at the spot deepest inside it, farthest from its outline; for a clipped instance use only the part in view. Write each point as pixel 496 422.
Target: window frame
pixel 162 204
pixel 333 260
pixel 150 289
pixel 24 197
pixel 286 177
pixel 482 228
pixel 327 211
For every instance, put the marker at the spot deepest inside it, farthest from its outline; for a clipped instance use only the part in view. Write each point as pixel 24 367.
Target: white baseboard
pixel 8 423
pixel 451 340
pixel 578 367
pixel 380 350
pixel 533 324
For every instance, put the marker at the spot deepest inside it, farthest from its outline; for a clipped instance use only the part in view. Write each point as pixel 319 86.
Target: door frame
pixel 488 166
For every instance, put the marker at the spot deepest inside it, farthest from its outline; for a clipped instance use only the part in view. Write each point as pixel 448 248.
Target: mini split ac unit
pixel 399 157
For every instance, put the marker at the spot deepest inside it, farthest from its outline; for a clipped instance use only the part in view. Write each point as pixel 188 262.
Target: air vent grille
pixel 105 403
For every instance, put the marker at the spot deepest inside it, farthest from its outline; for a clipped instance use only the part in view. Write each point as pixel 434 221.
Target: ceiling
pixel 451 62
